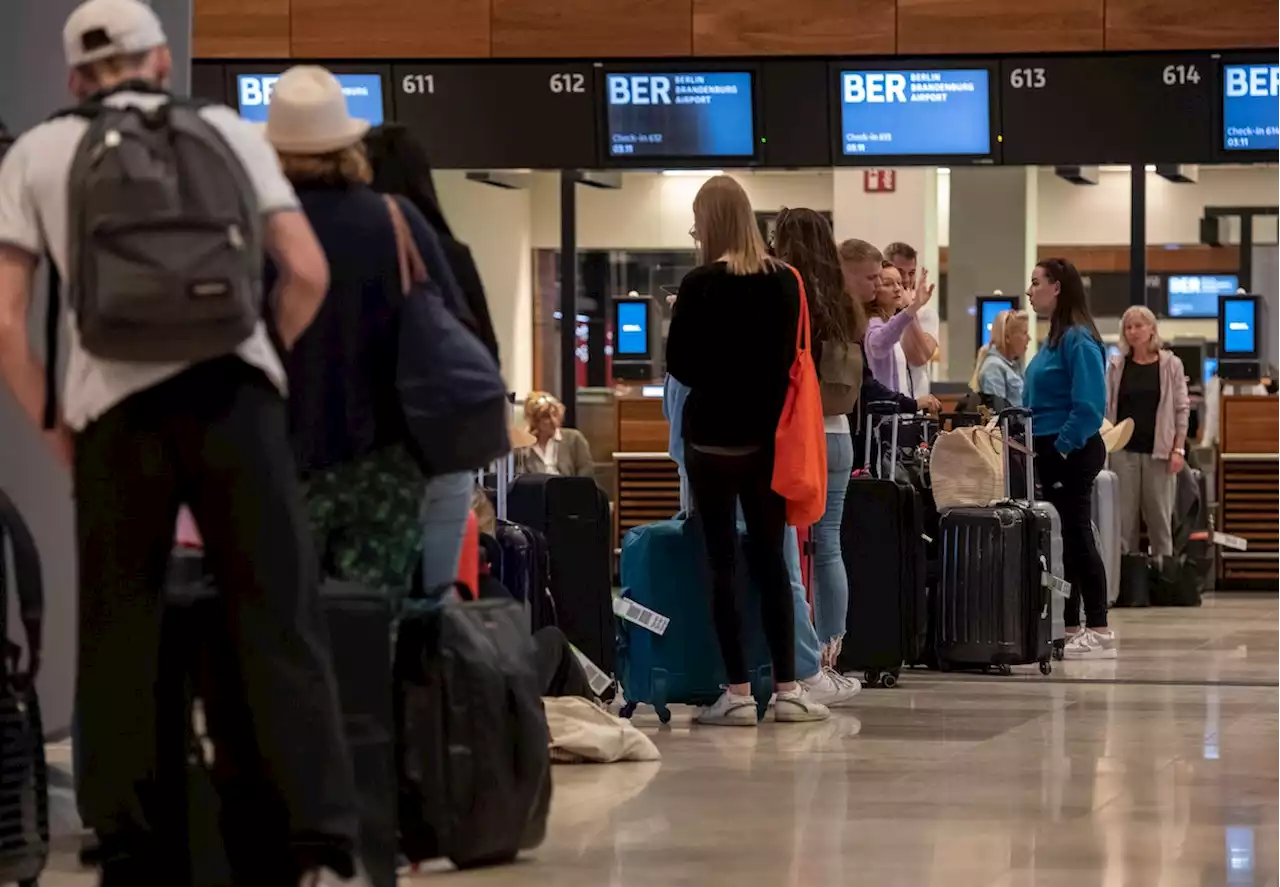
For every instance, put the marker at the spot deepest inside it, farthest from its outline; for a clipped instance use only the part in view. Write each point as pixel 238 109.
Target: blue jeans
pixel 444 522
pixel 830 581
pixel 808 649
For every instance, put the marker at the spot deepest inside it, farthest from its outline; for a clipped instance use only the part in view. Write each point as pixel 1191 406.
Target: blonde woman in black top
pixel 732 342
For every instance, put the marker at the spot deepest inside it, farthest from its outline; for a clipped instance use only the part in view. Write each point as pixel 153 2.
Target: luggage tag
pixel 1060 587
pixel 640 615
pixel 1226 540
pixel 596 677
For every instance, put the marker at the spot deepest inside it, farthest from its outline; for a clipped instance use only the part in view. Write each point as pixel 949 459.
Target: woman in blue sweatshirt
pixel 1066 392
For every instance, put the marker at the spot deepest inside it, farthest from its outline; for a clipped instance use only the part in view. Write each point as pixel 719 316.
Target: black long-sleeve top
pixel 732 342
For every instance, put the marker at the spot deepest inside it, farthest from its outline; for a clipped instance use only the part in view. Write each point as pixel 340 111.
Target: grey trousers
pixel 1146 497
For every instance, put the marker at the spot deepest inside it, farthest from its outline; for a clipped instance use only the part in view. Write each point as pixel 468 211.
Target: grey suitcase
pixel 1106 527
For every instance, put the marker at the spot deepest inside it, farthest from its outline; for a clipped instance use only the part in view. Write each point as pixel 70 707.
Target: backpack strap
pixel 52 318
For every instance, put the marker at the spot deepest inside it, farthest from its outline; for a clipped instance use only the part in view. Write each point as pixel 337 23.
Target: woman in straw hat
pixel 364 489
pixel 1147 384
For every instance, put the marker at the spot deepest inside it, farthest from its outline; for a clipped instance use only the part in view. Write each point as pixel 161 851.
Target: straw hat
pixel 309 115
pixel 1116 437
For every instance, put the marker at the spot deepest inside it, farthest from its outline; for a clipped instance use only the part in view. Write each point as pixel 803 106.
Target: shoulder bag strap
pixel 52 321
pixel 803 335
pixel 412 269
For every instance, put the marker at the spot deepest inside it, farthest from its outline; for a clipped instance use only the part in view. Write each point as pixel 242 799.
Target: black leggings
pixel 1068 486
pixel 718 483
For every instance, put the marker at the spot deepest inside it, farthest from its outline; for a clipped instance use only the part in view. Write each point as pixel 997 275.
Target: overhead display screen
pixel 677 115
pixel 500 116
pixel 1196 295
pixel 1250 112
pixel 917 111
pixel 1107 109
pixel 363 93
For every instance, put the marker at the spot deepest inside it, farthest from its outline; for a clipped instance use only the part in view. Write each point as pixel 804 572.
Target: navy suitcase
pixel 882 541
pixel 993 609
pixel 573 514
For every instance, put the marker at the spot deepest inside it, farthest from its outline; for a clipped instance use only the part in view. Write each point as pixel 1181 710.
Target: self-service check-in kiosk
pixel 1242 337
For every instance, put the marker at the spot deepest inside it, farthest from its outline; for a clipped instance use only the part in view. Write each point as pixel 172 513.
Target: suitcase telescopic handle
pixel 880 409
pixel 504 468
pixel 1006 417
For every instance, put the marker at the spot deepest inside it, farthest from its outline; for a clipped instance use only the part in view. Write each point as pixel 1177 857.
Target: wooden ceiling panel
pixel 228 29
pixel 591 28
pixel 935 27
pixel 793 27
pixel 1190 24
pixel 391 29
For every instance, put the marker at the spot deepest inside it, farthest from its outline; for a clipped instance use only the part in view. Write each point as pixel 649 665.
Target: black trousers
pixel 214 437
pixel 1068 485
pixel 718 483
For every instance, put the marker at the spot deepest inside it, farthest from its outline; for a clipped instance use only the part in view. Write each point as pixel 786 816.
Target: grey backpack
pixel 165 258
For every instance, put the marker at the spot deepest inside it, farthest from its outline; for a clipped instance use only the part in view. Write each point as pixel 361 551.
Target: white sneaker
pixel 830 688
pixel 730 710
pixel 1089 644
pixel 326 878
pixel 796 706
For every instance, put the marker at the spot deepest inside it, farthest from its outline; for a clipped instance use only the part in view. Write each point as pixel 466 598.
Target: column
pixel 907 214
pixel 31 55
pixel 992 247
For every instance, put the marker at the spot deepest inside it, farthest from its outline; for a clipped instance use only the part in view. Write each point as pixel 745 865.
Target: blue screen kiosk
pixel 1241 333
pixel 988 307
pixel 633 348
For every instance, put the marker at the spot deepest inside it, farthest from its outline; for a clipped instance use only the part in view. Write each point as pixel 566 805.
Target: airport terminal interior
pixel 1158 177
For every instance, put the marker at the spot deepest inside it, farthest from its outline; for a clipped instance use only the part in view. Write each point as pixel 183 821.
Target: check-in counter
pixel 1249 492
pixel 648 481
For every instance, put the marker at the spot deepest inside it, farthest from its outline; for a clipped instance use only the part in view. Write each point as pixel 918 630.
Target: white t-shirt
pixel 905 380
pixel 33 217
pixel 931 324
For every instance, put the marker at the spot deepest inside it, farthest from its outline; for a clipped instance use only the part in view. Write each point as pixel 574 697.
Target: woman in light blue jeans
pixel 830 581
pixel 444 522
pixel 804 240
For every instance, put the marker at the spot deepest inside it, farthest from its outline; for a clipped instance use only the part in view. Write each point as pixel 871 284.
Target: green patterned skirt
pixel 366 519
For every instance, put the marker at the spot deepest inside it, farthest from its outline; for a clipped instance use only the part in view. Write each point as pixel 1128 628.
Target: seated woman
pixel 556 449
pixel 999 370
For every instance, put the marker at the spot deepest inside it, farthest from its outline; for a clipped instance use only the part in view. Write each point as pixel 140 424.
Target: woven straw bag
pixel 967 467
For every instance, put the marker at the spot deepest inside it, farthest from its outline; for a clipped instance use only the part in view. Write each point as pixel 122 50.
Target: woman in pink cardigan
pixel 1147 384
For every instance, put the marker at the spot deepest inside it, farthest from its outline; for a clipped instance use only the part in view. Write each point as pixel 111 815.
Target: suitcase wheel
pixel 664 713
pixel 1004 669
pixel 888 680
pixel 1046 667
pixel 628 710
pixel 1059 649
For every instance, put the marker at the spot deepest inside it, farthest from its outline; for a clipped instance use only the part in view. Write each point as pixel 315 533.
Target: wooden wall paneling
pixel 794 27
pixel 391 29
pixel 591 28
pixel 641 426
pixel 1190 24
pixel 1249 425
pixel 240 29
pixel 978 26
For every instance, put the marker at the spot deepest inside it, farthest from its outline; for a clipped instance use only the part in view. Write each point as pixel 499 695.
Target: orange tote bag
pixel 800 446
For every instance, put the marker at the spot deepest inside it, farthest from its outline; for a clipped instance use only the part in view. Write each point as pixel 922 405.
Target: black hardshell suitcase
pixel 573 514
pixel 234 822
pixel 24 786
pixel 993 608
pixel 883 546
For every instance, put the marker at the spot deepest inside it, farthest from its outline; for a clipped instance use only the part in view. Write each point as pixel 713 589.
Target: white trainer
pixel 1089 644
pixel 830 688
pixel 796 706
pixel 730 710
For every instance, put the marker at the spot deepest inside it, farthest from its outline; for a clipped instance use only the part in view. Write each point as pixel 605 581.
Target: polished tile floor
pixel 1156 770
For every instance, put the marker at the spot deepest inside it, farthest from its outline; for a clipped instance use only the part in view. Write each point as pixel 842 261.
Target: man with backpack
pixel 155 214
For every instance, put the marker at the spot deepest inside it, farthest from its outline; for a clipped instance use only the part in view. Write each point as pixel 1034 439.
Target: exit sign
pixel 875 181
